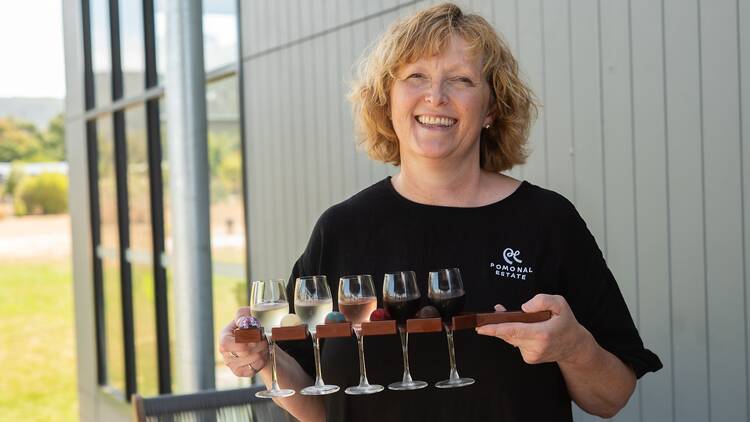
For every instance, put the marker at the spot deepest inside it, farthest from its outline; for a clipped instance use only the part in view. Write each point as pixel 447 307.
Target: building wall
pixel 641 127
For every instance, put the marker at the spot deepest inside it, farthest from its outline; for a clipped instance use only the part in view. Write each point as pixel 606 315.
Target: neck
pixel 439 183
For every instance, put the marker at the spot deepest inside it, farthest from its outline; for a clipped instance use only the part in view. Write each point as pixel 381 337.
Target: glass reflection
pixel 219 33
pixel 225 167
pixel 107 250
pixel 101 57
pixel 160 29
pixel 227 219
pixel 131 51
pixel 140 255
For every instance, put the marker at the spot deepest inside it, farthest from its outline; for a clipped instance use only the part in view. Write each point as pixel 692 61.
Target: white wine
pixel 270 314
pixel 313 312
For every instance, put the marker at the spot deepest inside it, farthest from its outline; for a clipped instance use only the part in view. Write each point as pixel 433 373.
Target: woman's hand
pixel 559 339
pixel 244 359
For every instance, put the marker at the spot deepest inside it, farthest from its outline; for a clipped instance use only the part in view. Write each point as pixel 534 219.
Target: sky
pixel 31 47
pixel 31 44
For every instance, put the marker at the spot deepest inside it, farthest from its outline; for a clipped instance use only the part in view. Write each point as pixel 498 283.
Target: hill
pixel 36 110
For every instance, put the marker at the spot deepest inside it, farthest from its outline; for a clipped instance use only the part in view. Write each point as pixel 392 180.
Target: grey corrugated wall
pixel 645 103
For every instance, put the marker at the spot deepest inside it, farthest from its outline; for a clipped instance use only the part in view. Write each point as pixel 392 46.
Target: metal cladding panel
pixel 641 126
pixel 722 182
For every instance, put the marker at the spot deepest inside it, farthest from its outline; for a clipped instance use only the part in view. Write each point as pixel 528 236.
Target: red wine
pixel 358 311
pixel 401 310
pixel 448 307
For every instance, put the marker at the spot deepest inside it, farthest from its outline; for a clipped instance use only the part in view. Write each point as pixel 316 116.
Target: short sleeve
pixel 595 298
pixel 307 264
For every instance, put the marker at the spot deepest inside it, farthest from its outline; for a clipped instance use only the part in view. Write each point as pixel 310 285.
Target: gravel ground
pixel 36 236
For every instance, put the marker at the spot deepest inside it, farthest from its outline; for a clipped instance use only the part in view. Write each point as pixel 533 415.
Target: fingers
pixel 248 362
pixel 500 308
pixel 544 302
pixel 247 366
pixel 511 332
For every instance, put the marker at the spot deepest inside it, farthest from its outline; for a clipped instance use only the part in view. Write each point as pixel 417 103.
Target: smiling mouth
pixel 435 121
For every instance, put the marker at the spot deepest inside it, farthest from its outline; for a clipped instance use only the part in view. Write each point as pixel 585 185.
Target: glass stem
pixel 362 370
pixel 405 350
pixel 451 352
pixel 272 350
pixel 316 349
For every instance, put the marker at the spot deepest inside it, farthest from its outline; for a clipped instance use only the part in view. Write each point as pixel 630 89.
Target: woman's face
pixel 439 104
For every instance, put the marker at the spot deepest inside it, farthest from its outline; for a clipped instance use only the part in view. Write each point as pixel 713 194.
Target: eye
pixel 415 76
pixel 464 80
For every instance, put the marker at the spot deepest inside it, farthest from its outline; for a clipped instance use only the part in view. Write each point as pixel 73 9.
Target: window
pixel 126 145
pixel 101 53
pixel 219 33
pixel 140 253
pixel 108 252
pixel 227 213
pixel 131 42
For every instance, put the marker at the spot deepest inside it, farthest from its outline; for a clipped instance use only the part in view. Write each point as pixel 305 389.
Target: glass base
pixel 364 389
pixel 322 390
pixel 282 392
pixel 455 383
pixel 413 385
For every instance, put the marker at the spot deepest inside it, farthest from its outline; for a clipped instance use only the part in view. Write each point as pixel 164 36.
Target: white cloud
pixel 31 47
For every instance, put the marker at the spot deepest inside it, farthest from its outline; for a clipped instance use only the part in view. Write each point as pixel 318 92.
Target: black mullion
pixel 93 177
pixel 156 191
pixel 149 37
pixel 243 144
pixel 121 161
pixel 88 72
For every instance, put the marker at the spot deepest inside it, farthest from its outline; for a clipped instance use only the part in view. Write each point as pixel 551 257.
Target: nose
pixel 435 94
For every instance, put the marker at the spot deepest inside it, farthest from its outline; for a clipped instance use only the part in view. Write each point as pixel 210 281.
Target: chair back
pixel 209 406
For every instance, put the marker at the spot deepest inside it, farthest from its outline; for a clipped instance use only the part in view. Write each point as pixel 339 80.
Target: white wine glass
pixel 357 301
pixel 269 305
pixel 312 302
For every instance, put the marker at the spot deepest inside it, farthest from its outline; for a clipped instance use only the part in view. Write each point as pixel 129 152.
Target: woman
pixel 440 97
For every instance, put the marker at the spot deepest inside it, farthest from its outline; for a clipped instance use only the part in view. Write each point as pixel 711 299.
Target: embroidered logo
pixel 509 253
pixel 511 269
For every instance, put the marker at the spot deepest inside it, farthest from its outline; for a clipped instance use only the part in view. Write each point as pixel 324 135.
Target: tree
pixel 19 141
pixel 53 141
pixel 22 141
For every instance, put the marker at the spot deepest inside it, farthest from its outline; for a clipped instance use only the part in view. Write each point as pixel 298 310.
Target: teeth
pixel 433 120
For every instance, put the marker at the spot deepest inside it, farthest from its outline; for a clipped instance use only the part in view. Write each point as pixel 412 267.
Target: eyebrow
pixel 451 69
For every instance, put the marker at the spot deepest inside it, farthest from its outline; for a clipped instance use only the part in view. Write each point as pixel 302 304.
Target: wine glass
pixel 401 299
pixel 446 292
pixel 357 301
pixel 268 304
pixel 312 302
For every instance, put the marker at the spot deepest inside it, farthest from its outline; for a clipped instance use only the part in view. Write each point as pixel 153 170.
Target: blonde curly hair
pixel 425 34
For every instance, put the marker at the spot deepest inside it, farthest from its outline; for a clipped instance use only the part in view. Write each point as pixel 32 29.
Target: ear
pixel 489 117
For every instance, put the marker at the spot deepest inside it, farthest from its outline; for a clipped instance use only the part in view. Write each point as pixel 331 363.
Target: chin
pixel 433 149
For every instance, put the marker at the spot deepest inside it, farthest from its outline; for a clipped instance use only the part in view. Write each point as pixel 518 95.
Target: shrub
pixel 45 194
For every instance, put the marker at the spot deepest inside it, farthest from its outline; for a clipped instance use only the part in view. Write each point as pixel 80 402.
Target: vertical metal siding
pixel 723 208
pixel 651 201
pixel 645 104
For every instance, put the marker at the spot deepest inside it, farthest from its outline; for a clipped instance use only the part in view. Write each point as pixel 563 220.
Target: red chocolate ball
pixel 379 315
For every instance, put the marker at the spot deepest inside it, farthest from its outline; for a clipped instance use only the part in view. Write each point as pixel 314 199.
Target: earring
pixel 487 126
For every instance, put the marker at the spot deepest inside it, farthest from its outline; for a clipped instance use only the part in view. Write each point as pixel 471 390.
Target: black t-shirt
pixel 534 241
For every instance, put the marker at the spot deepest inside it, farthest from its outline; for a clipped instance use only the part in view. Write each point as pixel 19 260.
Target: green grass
pixel 37 342
pixel 37 337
